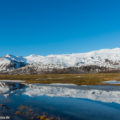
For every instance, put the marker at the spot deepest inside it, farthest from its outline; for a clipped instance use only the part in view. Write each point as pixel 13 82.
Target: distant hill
pixel 104 60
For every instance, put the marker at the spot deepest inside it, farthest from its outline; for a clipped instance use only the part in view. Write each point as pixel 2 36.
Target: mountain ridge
pixel 100 59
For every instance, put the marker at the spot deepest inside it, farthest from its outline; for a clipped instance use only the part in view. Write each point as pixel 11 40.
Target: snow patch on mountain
pixel 10 62
pixel 107 58
pixel 15 58
pixel 104 57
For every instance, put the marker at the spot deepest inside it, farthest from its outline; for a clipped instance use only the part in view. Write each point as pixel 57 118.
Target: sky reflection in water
pixel 66 108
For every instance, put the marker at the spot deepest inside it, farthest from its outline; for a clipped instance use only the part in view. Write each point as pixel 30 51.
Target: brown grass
pixel 79 79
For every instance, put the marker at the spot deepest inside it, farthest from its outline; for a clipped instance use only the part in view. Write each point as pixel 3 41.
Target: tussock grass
pixel 79 79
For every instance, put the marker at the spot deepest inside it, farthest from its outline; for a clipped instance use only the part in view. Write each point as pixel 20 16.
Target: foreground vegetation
pixel 79 79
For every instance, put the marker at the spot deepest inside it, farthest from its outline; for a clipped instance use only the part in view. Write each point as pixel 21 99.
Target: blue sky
pixel 58 26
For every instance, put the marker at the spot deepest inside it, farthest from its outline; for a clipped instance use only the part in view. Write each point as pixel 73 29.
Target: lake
pixel 21 101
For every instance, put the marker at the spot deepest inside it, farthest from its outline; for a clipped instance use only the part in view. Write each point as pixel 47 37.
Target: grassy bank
pixel 79 79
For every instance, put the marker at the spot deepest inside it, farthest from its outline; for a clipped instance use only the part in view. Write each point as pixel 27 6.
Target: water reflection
pixel 64 102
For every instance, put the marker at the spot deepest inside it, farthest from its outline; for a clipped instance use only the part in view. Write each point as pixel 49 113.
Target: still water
pixel 20 101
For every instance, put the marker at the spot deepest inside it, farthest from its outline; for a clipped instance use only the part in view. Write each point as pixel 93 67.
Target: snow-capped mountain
pixel 10 62
pixel 104 59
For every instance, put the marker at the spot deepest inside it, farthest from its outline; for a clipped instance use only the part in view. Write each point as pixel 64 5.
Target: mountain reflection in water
pixel 22 101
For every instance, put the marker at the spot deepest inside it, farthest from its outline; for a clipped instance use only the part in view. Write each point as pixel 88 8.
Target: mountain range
pixel 104 60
